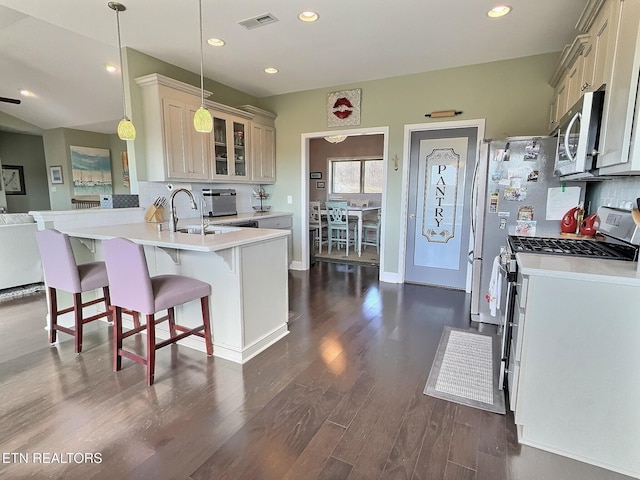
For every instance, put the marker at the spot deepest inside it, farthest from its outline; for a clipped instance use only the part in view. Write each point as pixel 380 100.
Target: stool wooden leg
pixel 77 310
pixel 136 319
pixel 204 302
pixel 171 313
pixel 151 348
pixel 107 303
pixel 117 338
pixel 53 315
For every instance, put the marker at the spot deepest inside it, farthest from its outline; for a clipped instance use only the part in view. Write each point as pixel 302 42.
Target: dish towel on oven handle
pixel 495 288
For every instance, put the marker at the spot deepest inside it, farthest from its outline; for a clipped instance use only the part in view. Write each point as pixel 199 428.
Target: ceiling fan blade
pixel 10 100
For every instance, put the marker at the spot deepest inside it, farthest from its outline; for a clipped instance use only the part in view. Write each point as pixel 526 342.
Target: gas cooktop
pixel 573 247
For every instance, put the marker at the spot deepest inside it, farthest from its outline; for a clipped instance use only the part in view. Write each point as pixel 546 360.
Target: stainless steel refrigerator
pixel 510 194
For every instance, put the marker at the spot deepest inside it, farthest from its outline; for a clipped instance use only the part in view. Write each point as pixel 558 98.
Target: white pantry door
pixel 439 211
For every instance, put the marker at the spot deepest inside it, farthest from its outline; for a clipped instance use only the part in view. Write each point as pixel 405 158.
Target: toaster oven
pixel 220 202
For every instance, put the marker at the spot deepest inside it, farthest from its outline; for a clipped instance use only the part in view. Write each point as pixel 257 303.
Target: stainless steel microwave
pixel 578 133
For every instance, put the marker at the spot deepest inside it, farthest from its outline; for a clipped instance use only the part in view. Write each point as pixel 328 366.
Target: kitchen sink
pixel 208 230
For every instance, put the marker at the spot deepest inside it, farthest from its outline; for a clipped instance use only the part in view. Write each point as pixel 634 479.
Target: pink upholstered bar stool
pixel 133 288
pixel 62 273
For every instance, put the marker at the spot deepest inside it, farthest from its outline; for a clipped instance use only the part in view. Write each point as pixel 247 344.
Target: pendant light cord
pixel 201 56
pixel 124 104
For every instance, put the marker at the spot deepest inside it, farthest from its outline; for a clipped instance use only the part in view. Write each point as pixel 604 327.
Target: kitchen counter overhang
pixel 149 234
pixel 247 269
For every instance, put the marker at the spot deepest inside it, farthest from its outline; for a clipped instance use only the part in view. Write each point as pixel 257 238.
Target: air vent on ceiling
pixel 258 21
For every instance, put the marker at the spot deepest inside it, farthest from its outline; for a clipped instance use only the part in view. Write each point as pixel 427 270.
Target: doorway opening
pixel 352 171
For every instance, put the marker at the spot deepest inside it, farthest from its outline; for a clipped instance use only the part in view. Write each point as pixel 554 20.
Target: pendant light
pixel 126 130
pixel 202 120
pixel 335 138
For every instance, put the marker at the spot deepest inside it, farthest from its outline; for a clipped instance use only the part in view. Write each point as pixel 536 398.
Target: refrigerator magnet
pixel 525 213
pixel 493 202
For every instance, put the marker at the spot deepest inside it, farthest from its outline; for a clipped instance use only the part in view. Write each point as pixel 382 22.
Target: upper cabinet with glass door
pixel 229 148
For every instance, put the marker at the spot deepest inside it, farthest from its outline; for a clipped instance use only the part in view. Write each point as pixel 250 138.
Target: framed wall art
pixel 320 185
pixel 343 108
pixel 13 180
pixel 91 170
pixel 55 174
pixel 315 175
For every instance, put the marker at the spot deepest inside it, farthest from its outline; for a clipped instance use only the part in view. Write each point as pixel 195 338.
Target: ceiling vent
pixel 258 21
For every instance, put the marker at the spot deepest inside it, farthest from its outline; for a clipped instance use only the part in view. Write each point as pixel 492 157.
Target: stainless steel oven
pixel 619 241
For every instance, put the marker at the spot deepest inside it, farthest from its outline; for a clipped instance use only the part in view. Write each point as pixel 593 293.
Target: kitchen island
pixel 575 359
pixel 246 268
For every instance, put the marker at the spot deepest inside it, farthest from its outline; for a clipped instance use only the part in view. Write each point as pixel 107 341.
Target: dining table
pixel 358 212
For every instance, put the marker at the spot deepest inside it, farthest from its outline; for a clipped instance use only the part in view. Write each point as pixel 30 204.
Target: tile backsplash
pixel 619 193
pixel 149 191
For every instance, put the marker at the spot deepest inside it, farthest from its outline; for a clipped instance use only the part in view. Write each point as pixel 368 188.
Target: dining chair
pixel 61 272
pixel 339 226
pixel 359 203
pixel 316 222
pixel 374 226
pixel 134 289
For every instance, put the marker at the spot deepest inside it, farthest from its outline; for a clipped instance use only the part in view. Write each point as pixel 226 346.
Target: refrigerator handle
pixel 478 199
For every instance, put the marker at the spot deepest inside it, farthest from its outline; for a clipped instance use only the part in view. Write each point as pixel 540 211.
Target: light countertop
pixel 148 234
pixel 579 268
pixel 240 217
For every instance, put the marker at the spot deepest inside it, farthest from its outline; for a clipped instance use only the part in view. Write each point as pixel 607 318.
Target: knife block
pixel 154 214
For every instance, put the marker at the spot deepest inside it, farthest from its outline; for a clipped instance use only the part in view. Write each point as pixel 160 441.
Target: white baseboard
pixel 390 277
pixel 296 265
pixel 220 350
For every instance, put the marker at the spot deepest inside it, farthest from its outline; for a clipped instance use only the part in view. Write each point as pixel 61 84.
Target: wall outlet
pixel 290 199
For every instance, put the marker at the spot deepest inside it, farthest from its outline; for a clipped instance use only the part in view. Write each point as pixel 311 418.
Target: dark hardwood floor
pixel 339 398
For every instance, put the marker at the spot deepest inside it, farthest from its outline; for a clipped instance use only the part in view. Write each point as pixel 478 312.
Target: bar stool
pixel 62 273
pixel 134 289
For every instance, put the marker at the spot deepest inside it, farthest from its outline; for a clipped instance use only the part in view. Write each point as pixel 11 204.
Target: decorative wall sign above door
pixel 343 108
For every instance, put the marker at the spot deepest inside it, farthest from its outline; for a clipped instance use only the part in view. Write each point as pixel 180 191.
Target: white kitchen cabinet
pixel 587 63
pixel 571 363
pixel 263 145
pixel 567 80
pixel 620 99
pixel 280 223
pixel 174 150
pixel 186 151
pixel 602 35
pixel 230 142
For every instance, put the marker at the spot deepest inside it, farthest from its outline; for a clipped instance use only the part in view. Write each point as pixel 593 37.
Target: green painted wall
pixel 26 151
pixel 513 96
pixel 56 149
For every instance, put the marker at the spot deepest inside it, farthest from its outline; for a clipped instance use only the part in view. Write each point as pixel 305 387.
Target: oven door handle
pixel 506 332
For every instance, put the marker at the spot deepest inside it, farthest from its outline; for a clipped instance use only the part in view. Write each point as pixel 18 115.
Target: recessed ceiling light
pixel 26 93
pixel 270 70
pixel 499 11
pixel 215 42
pixel 111 68
pixel 308 16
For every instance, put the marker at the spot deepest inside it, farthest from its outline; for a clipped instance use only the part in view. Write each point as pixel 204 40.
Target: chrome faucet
pixel 203 223
pixel 173 220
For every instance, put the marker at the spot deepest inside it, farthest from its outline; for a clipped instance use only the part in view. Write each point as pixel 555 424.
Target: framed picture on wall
pixel 55 173
pixel 315 175
pixel 319 185
pixel 13 179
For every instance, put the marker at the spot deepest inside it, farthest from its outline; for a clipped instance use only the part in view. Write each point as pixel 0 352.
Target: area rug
pixel 466 370
pixel 8 294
